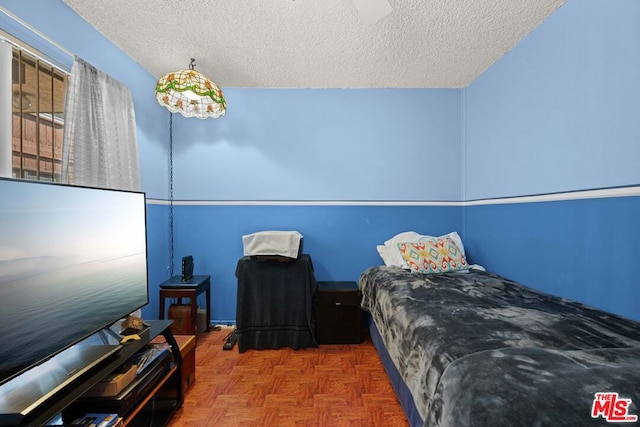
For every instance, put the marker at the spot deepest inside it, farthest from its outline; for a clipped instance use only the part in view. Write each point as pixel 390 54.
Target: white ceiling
pixel 317 43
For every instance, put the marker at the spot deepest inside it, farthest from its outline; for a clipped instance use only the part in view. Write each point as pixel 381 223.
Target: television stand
pixel 22 395
pixel 27 410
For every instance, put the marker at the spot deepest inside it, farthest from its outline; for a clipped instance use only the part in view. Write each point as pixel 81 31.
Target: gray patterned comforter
pixel 476 349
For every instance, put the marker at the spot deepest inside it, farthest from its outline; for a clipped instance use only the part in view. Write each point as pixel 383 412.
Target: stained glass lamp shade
pixel 191 94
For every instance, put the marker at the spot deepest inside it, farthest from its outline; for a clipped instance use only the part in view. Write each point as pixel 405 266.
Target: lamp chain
pixel 171 249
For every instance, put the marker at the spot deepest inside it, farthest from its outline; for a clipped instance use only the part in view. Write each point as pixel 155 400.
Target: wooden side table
pixel 176 288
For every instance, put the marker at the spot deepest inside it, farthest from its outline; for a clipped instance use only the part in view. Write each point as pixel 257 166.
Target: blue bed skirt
pixel 405 398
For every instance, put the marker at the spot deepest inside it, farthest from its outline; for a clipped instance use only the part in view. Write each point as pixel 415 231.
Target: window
pixel 38 96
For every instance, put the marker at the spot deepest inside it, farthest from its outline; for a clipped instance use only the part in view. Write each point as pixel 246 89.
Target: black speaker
pixel 187 268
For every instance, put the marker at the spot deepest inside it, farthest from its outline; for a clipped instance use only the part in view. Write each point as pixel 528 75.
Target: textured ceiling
pixel 317 43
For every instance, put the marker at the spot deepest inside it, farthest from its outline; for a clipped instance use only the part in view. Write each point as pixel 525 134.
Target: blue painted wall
pixel 313 145
pixel 586 250
pixel 329 144
pixel 340 239
pixel 560 112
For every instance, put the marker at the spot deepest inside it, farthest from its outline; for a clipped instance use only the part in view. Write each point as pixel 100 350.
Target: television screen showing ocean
pixel 61 301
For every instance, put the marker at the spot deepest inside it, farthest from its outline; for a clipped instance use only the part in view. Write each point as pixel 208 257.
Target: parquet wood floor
pixel 332 385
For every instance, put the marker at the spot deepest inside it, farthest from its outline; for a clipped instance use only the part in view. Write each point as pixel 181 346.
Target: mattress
pixel 477 349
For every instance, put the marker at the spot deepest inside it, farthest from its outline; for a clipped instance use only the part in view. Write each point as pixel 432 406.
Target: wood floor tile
pixel 332 385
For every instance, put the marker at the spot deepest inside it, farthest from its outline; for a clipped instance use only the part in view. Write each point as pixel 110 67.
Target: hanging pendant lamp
pixel 191 94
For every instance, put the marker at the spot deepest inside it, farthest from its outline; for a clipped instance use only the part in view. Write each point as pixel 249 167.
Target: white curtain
pixel 99 148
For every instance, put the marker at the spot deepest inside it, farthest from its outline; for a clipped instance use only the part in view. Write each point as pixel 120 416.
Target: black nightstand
pixel 338 318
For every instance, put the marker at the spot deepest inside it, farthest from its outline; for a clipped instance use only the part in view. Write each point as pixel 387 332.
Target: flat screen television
pixel 73 261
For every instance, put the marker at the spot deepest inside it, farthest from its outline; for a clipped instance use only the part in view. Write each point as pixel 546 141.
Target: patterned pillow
pixel 436 255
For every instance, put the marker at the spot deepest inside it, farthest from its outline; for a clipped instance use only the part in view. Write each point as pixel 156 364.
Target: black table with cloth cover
pixel 275 304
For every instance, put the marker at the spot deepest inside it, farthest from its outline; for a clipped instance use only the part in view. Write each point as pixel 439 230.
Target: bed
pixel 467 347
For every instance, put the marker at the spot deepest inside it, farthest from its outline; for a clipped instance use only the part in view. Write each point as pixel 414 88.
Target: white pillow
pixel 391 255
pixel 276 242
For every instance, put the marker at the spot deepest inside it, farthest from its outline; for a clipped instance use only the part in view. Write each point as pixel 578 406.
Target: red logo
pixel 612 408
